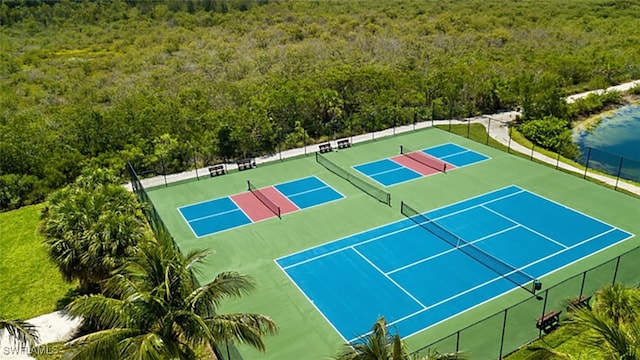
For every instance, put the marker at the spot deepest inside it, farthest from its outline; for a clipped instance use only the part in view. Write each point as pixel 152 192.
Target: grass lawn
pixel 559 340
pixel 30 283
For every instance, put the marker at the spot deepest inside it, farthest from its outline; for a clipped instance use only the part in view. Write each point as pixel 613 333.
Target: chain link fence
pixel 506 331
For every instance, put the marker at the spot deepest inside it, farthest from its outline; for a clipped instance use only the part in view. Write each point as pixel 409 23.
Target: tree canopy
pixel 101 82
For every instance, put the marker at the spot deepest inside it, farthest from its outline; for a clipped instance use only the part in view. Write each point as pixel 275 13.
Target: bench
pixel 343 144
pixel 245 164
pixel 549 321
pixel 579 302
pixel 217 170
pixel 324 148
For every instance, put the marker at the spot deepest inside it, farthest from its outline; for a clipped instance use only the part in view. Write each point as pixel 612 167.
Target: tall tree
pixel 91 227
pixel 154 308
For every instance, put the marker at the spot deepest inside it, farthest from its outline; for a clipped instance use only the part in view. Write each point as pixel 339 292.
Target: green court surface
pixel 304 332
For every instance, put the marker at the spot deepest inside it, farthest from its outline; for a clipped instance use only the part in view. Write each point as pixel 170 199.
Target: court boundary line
pixel 206 201
pixel 526 227
pixel 389 278
pixel 516 288
pixel 563 249
pixel 400 167
pixel 312 303
pixel 466 149
pixel 579 212
pixel 248 217
pixel 342 196
pixel 393 222
pixel 188 224
pixel 214 215
pixel 453 249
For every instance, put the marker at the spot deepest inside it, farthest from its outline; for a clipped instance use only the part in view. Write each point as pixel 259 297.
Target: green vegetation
pixel 381 344
pixel 154 308
pixel 31 284
pixel 606 328
pixel 171 83
pixel 91 228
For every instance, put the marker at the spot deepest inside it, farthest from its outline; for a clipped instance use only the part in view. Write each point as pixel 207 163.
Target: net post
pixel 401 152
pixel 444 170
pixel 248 185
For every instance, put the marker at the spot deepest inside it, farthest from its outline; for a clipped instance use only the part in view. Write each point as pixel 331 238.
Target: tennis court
pixel 225 213
pixel 411 165
pixel 485 246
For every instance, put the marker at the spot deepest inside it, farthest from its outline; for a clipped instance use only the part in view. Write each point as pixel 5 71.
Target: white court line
pixel 346 247
pixel 396 222
pixel 352 246
pixel 384 172
pixel 450 250
pixel 308 191
pixel 214 215
pixel 526 227
pixel 312 302
pixel 388 278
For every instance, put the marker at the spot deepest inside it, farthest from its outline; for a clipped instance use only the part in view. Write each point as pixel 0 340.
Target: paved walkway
pixel 496 123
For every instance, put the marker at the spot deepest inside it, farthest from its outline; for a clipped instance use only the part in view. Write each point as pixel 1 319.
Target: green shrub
pixel 551 133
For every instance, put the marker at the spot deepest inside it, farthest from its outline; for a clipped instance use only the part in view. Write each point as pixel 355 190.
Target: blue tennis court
pixel 416 279
pixel 398 169
pixel 229 212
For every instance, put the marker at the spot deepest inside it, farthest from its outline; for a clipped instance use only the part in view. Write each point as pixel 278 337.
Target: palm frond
pixel 107 312
pixel 225 285
pixel 20 331
pixel 546 353
pixel 243 328
pixel 99 345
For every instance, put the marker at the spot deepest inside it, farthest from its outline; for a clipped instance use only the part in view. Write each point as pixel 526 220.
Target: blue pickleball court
pixel 388 172
pixel 416 279
pixel 229 212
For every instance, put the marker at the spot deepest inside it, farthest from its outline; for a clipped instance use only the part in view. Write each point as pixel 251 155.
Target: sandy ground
pixel 57 327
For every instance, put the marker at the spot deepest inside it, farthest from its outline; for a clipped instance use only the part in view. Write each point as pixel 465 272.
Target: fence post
pixel 586 166
pixel 468 126
pixel 544 308
pixel 458 341
pixel 584 278
pixel 509 145
pixel 504 326
pixel 532 149
pixel 619 171
pixel 164 170
pixel 558 161
pixel 486 141
pixel 195 163
pixel 615 273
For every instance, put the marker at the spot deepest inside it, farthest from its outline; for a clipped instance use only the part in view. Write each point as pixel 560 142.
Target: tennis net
pixel 367 188
pixel 518 277
pixel 424 159
pixel 264 199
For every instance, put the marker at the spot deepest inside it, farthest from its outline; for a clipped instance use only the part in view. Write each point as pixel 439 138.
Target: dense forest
pixel 101 82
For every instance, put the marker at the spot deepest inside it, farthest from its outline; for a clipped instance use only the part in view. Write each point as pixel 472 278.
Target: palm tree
pixel 380 344
pixel 20 331
pixel 91 227
pixel 153 308
pixel 610 327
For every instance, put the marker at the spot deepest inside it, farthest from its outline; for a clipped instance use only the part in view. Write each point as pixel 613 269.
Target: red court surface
pixel 286 206
pixel 256 210
pixel 419 167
